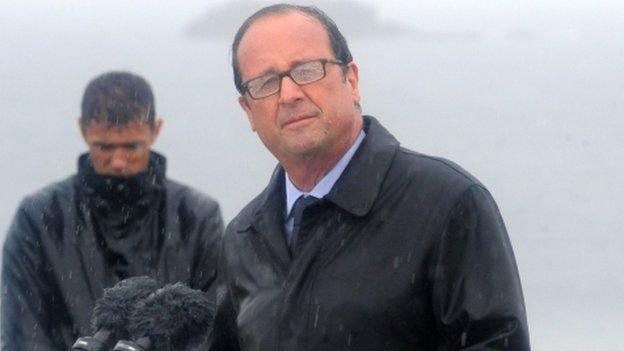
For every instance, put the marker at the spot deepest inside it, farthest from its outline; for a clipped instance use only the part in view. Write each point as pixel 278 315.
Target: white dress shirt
pixel 323 187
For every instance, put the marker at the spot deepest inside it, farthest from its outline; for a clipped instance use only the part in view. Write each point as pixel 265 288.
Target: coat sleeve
pixel 28 300
pixel 209 237
pixel 477 297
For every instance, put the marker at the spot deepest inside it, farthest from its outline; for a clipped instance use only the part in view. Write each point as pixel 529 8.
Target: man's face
pixel 315 119
pixel 122 150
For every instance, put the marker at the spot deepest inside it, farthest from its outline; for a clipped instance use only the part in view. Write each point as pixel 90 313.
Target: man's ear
pixel 83 128
pixel 353 78
pixel 242 101
pixel 156 129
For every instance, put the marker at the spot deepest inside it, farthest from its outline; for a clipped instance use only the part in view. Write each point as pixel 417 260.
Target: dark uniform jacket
pixel 74 238
pixel 406 252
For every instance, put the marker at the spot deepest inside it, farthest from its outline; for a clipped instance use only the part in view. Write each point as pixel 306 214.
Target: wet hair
pixel 117 98
pixel 336 39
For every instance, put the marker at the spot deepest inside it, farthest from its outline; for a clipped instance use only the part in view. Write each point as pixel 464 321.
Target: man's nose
pixel 290 91
pixel 119 160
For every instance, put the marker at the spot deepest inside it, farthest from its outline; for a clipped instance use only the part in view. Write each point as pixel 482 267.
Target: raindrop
pixel 316 317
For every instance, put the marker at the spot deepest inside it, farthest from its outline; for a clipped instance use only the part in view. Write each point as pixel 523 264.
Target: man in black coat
pixel 118 217
pixel 356 243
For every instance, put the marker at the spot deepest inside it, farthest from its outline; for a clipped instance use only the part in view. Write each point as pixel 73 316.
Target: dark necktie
pixel 297 210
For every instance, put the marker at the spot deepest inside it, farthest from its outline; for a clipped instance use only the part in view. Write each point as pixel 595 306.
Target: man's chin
pixel 303 148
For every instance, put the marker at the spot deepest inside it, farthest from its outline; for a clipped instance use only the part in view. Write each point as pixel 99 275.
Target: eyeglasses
pixel 302 74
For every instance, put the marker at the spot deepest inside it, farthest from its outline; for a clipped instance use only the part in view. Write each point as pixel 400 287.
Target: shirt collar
pixel 327 182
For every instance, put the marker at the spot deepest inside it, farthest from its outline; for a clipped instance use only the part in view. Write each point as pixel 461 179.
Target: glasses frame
pixel 281 75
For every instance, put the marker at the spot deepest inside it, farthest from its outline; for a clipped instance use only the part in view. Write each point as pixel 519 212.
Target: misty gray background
pixel 526 95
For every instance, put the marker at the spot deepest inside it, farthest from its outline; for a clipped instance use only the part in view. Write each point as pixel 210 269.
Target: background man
pixel 118 217
pixel 356 243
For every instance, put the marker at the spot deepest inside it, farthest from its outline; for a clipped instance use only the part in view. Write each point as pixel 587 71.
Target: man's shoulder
pixel 40 208
pixel 264 201
pixel 431 174
pixel 408 170
pixel 57 192
pixel 243 219
pixel 189 196
pixel 439 166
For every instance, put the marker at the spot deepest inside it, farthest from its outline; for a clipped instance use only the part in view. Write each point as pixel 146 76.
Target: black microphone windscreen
pixel 113 309
pixel 172 314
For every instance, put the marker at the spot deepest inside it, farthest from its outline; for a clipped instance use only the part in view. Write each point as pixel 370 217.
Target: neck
pixel 305 171
pixel 308 173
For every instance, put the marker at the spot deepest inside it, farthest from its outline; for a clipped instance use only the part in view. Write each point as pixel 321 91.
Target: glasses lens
pixel 308 72
pixel 263 86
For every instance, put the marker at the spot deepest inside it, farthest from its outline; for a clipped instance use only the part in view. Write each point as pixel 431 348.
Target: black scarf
pixel 114 194
pixel 118 206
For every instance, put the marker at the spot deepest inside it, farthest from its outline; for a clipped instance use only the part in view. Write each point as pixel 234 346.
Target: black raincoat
pixel 406 252
pixel 74 238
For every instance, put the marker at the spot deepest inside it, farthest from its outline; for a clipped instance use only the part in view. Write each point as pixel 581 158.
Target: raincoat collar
pixel 355 191
pixel 114 192
pixel 326 183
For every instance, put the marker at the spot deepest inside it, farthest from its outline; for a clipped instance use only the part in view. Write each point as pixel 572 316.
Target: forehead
pixel 276 41
pixel 106 132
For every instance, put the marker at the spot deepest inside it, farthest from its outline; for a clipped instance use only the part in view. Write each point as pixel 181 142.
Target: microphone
pixel 174 317
pixel 112 311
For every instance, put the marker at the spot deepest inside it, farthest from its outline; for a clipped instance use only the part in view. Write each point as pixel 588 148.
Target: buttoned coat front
pixel 406 252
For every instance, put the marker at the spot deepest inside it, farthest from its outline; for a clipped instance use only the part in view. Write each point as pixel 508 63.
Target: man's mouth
pixel 296 119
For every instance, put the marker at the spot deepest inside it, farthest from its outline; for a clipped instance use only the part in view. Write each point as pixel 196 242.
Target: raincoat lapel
pixel 268 221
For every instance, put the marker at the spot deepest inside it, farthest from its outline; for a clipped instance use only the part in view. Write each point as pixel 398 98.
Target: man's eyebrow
pixel 266 72
pixel 298 62
pixel 124 144
pixel 293 64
